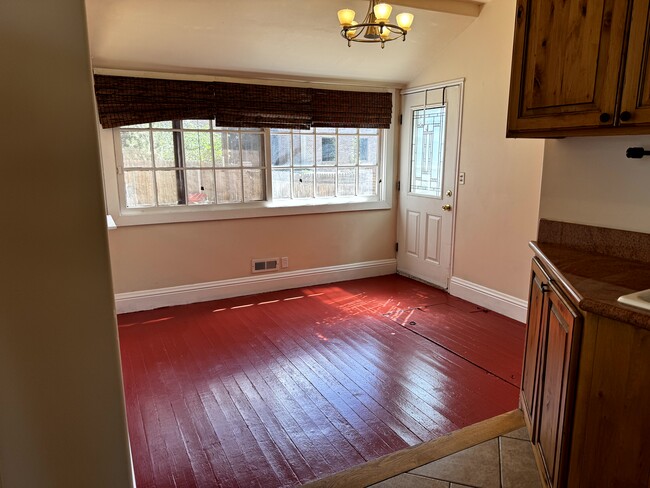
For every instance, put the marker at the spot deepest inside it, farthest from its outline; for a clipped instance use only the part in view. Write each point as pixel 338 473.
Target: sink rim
pixel 638 299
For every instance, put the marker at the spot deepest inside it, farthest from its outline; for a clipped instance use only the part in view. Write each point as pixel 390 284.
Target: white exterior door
pixel 428 166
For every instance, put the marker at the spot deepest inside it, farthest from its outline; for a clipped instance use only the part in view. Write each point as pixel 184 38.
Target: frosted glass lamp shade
pixel 352 32
pixel 385 33
pixel 382 12
pixel 404 20
pixel 346 16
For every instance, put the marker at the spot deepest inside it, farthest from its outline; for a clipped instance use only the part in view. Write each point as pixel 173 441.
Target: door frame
pixel 460 83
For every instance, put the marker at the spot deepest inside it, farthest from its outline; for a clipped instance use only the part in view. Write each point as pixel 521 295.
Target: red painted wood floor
pixel 286 387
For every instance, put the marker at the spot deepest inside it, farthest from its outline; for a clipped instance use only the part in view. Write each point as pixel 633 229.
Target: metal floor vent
pixel 264 265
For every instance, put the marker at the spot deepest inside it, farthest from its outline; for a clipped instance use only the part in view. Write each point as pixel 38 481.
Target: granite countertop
pixel 594 281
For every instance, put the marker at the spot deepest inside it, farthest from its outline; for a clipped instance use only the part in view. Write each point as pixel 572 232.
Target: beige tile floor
pixel 505 461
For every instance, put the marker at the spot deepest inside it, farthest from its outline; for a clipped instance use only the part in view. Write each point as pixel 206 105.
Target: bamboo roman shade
pixel 125 100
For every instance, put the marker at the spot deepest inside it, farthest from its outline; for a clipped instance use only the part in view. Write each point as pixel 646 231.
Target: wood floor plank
pixel 283 388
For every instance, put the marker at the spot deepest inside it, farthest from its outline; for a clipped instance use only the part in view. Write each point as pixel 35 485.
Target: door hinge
pixel 400 119
pixel 396 246
pixel 399 185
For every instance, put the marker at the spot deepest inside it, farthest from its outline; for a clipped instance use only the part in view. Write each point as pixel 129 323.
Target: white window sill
pixel 148 216
pixel 110 223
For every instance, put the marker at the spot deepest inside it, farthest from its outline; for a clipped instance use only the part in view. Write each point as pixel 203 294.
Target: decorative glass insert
pixel 428 151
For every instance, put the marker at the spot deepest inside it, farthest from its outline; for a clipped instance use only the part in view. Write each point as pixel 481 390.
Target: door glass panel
pixel 428 151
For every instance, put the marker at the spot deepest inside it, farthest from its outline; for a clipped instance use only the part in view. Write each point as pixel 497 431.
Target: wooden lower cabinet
pixel 585 392
pixel 550 360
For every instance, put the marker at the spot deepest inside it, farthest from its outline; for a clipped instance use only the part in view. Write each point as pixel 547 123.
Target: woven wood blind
pixel 125 101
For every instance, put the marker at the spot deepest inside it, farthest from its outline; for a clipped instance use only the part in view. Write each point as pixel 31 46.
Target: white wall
pixel 588 180
pixel 62 419
pixel 497 209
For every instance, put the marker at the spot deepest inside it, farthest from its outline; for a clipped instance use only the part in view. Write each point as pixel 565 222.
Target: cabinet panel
pixel 555 391
pixel 530 373
pixel 566 64
pixel 612 426
pixel 636 89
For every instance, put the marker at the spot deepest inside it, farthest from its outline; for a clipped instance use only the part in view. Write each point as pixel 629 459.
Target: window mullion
pixel 241 165
pixel 313 158
pixel 179 162
pixel 268 168
pixel 153 170
pixel 358 166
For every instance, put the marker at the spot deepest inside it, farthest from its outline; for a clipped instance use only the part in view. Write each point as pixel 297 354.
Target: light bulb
pixel 382 12
pixel 404 20
pixel 346 17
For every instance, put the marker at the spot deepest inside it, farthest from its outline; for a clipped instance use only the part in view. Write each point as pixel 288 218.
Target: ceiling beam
pixel 470 8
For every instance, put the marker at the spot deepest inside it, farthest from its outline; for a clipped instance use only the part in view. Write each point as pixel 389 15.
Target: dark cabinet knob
pixel 625 116
pixel 605 117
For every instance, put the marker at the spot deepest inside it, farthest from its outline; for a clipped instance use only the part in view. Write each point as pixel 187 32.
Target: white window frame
pixel 116 200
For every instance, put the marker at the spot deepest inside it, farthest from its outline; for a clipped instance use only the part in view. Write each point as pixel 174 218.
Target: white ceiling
pixel 288 38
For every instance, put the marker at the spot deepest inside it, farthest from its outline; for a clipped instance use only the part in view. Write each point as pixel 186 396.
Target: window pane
pixel 220 141
pixel 163 149
pixel 427 152
pixel 167 183
pixel 368 131
pixel 326 182
pixel 368 153
pixel 233 156
pixel 162 125
pixel 198 149
pixel 200 187
pixel 136 126
pixel 196 124
pixel 281 183
pixel 136 149
pixel 325 130
pixel 253 185
pixel 326 150
pixel 346 184
pixel 348 152
pixel 367 182
pixel 229 186
pixel 348 131
pixel 303 183
pixel 139 189
pixel 303 150
pixel 252 150
pixel 280 150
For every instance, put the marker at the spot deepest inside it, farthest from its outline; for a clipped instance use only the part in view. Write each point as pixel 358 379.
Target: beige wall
pixel 588 180
pixel 155 256
pixel 497 209
pixel 62 419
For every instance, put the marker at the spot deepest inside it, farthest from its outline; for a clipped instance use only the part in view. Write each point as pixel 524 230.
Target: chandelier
pixel 376 26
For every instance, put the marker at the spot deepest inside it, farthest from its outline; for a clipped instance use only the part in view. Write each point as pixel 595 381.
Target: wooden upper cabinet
pixel 567 65
pixel 635 101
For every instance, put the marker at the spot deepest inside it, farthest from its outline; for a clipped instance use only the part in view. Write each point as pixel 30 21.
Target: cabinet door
pixel 635 101
pixel 563 328
pixel 538 287
pixel 566 64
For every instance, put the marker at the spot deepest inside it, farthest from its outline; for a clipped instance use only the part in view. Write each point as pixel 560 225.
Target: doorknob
pixel 446 208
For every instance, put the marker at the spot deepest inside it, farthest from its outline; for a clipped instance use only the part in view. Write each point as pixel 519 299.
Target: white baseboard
pixel 507 305
pixel 249 285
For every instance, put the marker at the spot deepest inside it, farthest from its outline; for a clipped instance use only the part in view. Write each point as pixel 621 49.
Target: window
pixel 191 162
pixel 194 164
pixel 324 163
